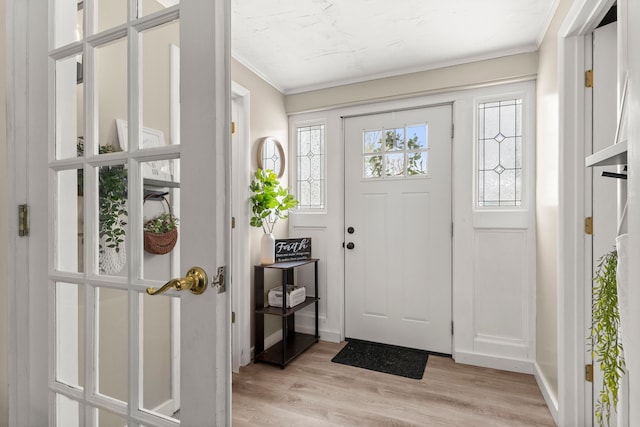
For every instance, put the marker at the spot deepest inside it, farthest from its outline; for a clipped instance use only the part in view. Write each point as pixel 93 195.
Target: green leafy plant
pixel 112 199
pixel 606 347
pixel 162 223
pixel 269 201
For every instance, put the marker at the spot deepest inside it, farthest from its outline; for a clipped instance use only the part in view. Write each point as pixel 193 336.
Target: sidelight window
pixel 311 173
pixel 499 153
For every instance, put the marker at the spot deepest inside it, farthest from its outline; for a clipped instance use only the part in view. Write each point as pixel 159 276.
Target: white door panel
pixel 398 257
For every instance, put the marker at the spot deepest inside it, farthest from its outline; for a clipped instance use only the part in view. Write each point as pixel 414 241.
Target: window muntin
pixel 311 179
pixel 499 153
pixel 403 153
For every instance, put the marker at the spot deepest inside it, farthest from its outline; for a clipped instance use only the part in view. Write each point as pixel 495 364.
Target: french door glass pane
pixel 70 221
pixel 161 208
pixel 70 321
pixel 112 219
pixel 160 356
pixel 67 411
pixel 68 22
pixel 111 87
pixel 69 108
pixel 109 419
pixel 112 310
pixel 146 7
pixel 111 13
pixel 160 62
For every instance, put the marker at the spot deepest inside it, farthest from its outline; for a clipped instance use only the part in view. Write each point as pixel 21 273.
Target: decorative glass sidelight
pixel 311 167
pixel 499 153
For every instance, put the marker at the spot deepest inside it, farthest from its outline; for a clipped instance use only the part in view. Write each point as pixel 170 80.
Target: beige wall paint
pixel 4 321
pixel 427 82
pixel 547 175
pixel 268 118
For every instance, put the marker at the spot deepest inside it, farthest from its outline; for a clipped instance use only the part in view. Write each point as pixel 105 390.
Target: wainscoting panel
pixel 501 306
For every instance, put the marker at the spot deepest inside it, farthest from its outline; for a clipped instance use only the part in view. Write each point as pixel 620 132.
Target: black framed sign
pixel 293 249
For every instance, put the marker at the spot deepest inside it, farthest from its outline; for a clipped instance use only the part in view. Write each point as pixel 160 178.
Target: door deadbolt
pixel 350 230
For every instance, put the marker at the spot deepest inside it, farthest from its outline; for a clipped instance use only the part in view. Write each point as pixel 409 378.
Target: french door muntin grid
pixel 499 169
pixel 397 142
pixel 87 396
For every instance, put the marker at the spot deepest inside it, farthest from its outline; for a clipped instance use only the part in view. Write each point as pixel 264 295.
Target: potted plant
pixel 112 213
pixel 161 232
pixel 606 343
pixel 269 202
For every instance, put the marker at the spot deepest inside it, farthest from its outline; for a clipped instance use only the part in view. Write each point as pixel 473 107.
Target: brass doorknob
pixel 196 281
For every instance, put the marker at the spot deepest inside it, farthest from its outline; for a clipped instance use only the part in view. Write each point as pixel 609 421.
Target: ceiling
pixel 299 45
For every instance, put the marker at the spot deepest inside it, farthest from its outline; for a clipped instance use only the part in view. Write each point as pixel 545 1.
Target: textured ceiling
pixel 298 45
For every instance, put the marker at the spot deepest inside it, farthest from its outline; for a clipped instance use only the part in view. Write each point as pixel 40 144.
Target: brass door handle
pixel 196 281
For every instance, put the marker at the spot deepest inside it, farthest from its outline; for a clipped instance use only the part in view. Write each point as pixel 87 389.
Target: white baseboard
pixel 486 361
pixel 549 397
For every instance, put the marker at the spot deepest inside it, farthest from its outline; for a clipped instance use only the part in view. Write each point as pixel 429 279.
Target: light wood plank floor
pixel 313 391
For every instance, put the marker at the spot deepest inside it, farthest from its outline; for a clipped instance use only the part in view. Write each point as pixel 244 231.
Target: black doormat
pixel 390 359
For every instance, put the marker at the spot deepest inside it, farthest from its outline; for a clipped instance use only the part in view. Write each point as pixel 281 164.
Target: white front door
pixel 119 128
pixel 398 228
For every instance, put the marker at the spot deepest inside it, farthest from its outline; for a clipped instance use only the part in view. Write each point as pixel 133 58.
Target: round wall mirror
pixel 271 155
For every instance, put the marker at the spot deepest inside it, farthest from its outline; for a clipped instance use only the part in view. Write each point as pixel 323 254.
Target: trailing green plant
pixel 269 201
pixel 162 223
pixel 112 199
pixel 606 347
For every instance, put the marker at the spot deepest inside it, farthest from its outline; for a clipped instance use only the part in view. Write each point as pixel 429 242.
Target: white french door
pixel 398 228
pixel 129 138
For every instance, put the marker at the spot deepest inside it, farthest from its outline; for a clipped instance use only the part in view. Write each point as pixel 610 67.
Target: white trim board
pixel 494 362
pixel 581 19
pixel 547 392
pixel 240 282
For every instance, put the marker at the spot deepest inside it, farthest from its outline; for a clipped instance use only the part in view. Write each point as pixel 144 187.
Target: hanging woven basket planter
pixel 161 232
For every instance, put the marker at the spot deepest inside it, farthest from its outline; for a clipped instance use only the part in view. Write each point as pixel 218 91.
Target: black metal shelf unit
pixel 293 343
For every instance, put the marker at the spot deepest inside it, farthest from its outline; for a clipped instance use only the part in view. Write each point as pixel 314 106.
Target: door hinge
pixel 452 229
pixel 233 222
pixel 23 220
pixel 233 317
pixel 588 78
pixel 451 327
pixel 452 130
pixel 233 128
pixel 588 225
pixel 588 373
